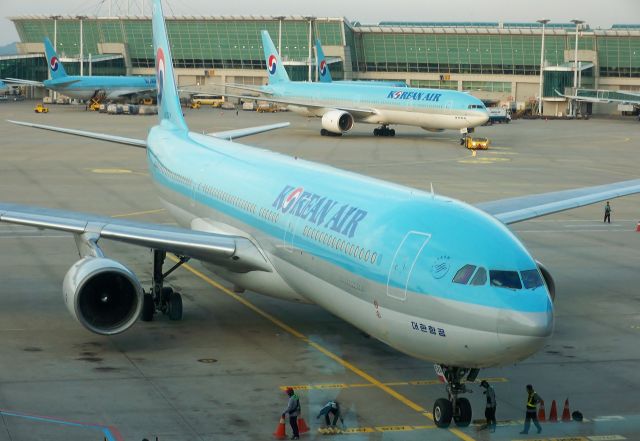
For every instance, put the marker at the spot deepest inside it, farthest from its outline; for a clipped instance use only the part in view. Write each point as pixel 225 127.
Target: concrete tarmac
pixel 219 374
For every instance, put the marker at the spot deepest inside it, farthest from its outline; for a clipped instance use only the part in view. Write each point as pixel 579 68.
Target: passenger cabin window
pixel 531 279
pixel 505 279
pixel 464 274
pixel 480 278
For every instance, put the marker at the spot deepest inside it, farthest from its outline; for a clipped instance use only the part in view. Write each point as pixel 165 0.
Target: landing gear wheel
pixel 165 295
pixel 376 132
pixel 148 308
pixel 324 132
pixel 175 306
pixel 442 412
pixel 463 412
pixel 392 132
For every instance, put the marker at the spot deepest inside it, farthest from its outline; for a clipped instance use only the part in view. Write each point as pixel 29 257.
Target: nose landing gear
pixel 454 408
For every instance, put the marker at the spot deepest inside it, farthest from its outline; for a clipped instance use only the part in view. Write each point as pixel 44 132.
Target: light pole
pixel 309 60
pixel 575 64
pixel 81 17
pixel 543 21
pixel 55 48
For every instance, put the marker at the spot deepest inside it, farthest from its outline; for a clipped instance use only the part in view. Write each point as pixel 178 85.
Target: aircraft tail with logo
pixel 275 68
pixel 168 101
pixel 55 65
pixel 324 76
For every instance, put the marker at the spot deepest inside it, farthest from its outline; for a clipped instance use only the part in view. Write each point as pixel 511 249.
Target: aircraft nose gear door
pixel 403 262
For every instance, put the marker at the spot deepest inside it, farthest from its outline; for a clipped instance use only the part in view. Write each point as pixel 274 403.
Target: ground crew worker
pixel 490 410
pixel 532 410
pixel 293 409
pixel 607 213
pixel 332 407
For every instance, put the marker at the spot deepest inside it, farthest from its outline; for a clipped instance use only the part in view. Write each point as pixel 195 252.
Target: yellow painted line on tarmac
pixel 483 160
pixel 562 438
pixel 404 400
pixel 112 171
pixel 139 213
pixel 394 383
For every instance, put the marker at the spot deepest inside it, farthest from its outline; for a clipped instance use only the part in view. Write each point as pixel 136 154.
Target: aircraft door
pixel 403 263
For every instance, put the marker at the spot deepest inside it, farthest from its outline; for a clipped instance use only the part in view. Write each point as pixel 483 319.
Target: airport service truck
pixel 498 115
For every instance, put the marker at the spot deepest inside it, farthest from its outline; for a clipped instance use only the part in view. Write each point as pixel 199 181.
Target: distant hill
pixel 9 49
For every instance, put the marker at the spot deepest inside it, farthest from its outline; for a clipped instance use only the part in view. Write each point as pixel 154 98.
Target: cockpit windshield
pixel 505 279
pixel 531 279
pixel 476 106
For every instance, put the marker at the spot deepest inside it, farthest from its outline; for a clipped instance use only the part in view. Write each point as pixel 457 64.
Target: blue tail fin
pixel 168 101
pixel 275 68
pixel 324 76
pixel 55 65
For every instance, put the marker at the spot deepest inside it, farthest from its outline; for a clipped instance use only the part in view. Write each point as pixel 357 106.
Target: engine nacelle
pixel 103 295
pixel 548 280
pixel 337 121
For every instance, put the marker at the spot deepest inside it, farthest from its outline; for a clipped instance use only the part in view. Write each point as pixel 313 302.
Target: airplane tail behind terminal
pixel 168 100
pixel 275 68
pixel 55 65
pixel 324 76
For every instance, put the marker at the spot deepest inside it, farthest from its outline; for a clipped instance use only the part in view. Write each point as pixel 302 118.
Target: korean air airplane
pixel 88 87
pixel 340 105
pixel 430 276
pixel 3 86
pixel 324 75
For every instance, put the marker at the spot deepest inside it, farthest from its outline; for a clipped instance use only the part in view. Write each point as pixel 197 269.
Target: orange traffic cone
pixel 280 432
pixel 566 413
pixel 302 425
pixel 638 227
pixel 541 416
pixel 553 415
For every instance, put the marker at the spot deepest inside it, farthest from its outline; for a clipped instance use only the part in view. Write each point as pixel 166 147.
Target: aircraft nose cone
pixel 524 333
pixel 483 118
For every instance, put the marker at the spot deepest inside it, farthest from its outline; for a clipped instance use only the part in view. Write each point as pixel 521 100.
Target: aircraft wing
pixel 102 136
pixel 235 253
pixel 230 135
pixel 523 208
pixel 23 82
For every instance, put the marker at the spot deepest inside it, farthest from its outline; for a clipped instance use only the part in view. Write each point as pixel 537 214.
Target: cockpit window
pixel 464 274
pixel 475 106
pixel 480 278
pixel 505 279
pixel 531 279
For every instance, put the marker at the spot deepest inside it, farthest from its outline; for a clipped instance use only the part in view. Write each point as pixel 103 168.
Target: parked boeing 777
pixel 340 105
pixel 88 87
pixel 430 276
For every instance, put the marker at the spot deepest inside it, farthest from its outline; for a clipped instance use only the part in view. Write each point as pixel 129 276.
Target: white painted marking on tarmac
pixel 608 418
pixel 605 437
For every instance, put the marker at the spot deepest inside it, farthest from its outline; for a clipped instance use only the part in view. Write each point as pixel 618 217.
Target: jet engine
pixel 103 295
pixel 337 121
pixel 548 280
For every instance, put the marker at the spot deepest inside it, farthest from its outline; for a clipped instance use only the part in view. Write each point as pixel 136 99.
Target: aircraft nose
pixel 482 118
pixel 524 333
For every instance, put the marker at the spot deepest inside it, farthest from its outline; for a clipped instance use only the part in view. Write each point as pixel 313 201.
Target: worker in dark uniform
pixel 293 409
pixel 332 407
pixel 490 410
pixel 607 212
pixel 532 410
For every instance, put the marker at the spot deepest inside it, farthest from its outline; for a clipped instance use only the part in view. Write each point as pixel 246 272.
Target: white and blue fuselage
pixel 380 256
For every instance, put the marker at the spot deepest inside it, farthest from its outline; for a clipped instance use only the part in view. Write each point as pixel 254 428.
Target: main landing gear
pixel 384 130
pixel 325 132
pixel 456 408
pixel 161 298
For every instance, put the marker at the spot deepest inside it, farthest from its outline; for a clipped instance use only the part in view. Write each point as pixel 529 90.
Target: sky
pixel 597 13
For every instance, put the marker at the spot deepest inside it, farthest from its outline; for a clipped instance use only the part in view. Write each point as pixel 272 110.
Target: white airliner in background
pixel 430 276
pixel 340 104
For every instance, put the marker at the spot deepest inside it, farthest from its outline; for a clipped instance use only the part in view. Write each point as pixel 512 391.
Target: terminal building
pixel 498 62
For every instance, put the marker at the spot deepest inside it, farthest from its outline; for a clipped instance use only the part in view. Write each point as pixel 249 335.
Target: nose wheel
pixel 454 407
